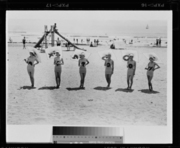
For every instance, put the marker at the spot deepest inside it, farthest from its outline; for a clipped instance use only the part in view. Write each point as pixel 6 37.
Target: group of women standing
pixel 131 65
pixel 109 68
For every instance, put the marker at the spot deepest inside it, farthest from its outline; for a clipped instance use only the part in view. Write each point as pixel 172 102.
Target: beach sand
pixel 92 106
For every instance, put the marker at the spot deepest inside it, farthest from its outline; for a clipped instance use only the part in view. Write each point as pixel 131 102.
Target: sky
pixel 95 22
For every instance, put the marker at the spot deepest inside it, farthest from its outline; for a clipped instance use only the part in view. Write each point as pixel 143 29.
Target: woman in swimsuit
pixel 150 71
pixel 131 65
pixel 109 64
pixel 30 67
pixel 82 69
pixel 58 61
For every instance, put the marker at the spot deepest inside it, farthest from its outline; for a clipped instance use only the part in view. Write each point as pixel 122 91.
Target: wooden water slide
pixel 68 40
pixel 42 38
pixel 55 30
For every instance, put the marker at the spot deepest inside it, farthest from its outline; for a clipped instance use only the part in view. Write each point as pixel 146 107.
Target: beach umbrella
pixel 76 54
pixel 106 52
pixel 130 52
pixel 153 55
pixel 35 52
pixel 51 51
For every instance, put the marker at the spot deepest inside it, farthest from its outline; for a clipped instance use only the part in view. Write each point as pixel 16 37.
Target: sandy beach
pixel 93 106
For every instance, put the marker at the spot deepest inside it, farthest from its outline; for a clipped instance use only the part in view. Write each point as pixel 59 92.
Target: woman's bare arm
pixel 112 66
pixel 103 58
pixel 62 61
pixel 147 67
pixel 134 67
pixel 79 62
pixel 54 61
pixel 87 62
pixel 157 66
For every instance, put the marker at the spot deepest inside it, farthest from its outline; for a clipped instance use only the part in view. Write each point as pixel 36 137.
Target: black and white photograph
pixel 95 68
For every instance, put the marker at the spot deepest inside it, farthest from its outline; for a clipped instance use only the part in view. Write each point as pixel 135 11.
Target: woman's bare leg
pixel 83 79
pixel 59 78
pixel 131 78
pixel 128 81
pixel 56 77
pixel 149 83
pixel 31 76
pixel 109 79
pixel 150 79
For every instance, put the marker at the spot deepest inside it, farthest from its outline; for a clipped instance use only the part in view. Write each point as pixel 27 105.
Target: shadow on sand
pixel 148 92
pixel 47 87
pixel 68 50
pixel 125 90
pixel 27 87
pixel 102 88
pixel 74 88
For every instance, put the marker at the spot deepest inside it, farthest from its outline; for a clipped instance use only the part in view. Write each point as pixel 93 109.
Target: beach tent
pixel 118 44
pixel 106 52
pixel 51 52
pixel 76 54
pixel 128 52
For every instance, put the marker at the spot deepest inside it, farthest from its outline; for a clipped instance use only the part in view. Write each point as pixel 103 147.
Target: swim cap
pixel 152 57
pixel 109 54
pixel 82 54
pixel 32 53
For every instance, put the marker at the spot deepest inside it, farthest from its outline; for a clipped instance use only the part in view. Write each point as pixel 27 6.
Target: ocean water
pixel 32 37
pixel 33 29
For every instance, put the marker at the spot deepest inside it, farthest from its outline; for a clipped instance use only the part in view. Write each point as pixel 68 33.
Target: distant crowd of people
pixel 88 41
pixel 91 43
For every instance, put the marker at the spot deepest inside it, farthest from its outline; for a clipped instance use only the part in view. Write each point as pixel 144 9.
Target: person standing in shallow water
pixel 30 67
pixel 24 43
pixel 109 70
pixel 58 61
pixel 150 71
pixel 131 65
pixel 82 69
